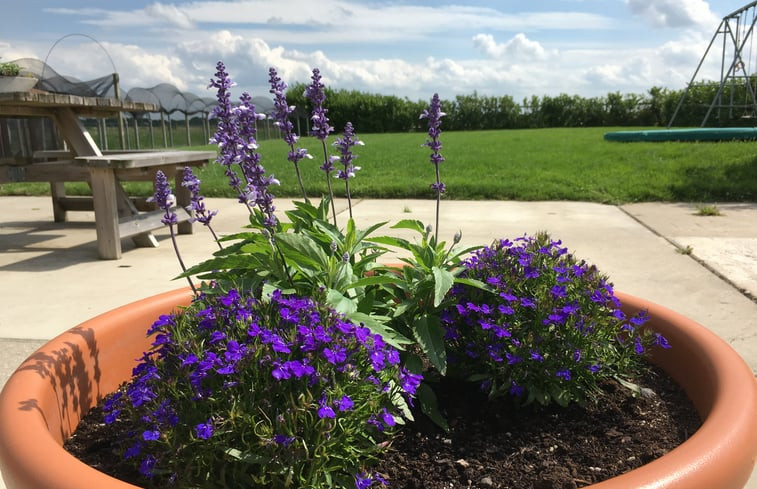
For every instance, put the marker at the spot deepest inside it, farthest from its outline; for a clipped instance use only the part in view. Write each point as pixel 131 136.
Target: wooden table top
pixel 36 103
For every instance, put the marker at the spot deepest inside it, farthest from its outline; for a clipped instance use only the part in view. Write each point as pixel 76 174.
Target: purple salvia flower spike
pixel 236 139
pixel 320 127
pixel 344 145
pixel 226 136
pixel 164 199
pixel 282 111
pixel 253 171
pixel 434 115
pixel 201 213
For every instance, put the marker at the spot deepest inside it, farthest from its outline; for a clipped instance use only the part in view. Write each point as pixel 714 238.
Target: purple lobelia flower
pixel 434 115
pixel 164 199
pixel 282 111
pixel 320 127
pixel 344 145
pixel 201 213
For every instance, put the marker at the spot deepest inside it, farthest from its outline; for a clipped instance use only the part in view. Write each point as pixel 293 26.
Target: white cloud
pixel 674 13
pixel 517 48
pixel 171 14
pixel 451 50
pixel 335 21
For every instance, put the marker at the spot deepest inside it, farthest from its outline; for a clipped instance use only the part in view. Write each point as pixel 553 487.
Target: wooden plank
pixel 83 203
pixel 148 159
pixel 58 171
pixel 127 210
pixel 146 222
pixel 75 134
pixel 93 104
pixel 56 154
pixel 104 194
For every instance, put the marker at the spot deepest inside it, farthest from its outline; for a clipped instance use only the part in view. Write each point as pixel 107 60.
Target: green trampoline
pixel 697 134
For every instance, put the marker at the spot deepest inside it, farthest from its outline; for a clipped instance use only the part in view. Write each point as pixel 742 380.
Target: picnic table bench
pixel 117 215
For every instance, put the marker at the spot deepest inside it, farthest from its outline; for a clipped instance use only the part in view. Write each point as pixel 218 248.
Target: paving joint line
pixel 691 255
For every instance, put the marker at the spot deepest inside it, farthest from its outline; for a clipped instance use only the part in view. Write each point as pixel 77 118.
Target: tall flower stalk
pixel 164 199
pixel 227 129
pixel 282 111
pixel 236 139
pixel 346 157
pixel 320 128
pixel 434 115
pixel 201 213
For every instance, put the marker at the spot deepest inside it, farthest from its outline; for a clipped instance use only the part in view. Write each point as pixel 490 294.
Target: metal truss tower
pixel 736 30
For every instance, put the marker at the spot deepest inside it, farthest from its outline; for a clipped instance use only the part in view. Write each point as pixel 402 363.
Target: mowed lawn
pixel 536 164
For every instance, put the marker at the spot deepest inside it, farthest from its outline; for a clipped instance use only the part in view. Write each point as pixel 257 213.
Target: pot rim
pixel 722 387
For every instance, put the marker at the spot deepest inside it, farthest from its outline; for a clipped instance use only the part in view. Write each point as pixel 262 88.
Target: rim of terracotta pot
pixel 43 401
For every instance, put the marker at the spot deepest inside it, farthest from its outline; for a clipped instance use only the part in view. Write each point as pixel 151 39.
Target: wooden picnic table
pixel 117 215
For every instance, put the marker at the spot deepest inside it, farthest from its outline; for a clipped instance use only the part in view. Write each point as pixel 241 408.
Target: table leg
pixel 58 190
pixel 126 208
pixel 104 197
pixel 183 199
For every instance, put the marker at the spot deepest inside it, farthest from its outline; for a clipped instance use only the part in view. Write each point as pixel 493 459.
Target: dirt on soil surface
pixel 494 444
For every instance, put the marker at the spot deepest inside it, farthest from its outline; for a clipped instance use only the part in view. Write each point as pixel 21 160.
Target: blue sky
pixel 409 48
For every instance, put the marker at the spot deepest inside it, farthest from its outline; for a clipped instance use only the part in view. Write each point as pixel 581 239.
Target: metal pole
pixel 693 77
pixel 121 131
pixel 736 58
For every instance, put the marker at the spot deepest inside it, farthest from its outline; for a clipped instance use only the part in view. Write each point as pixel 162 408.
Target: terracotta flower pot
pixel 45 398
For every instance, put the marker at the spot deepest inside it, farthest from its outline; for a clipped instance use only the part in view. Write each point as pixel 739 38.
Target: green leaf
pixel 443 281
pixel 430 336
pixel 391 241
pixel 474 283
pixel 362 233
pixel 377 326
pixel 376 280
pixel 340 303
pixel 413 224
pixel 303 248
pixel 221 263
pixel 429 406
pixel 401 404
pixel 413 362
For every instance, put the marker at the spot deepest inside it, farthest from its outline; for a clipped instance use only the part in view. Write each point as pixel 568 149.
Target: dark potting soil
pixel 494 444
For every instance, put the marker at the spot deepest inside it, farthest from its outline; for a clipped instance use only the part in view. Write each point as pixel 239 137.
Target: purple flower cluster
pixel 344 146
pixel 321 128
pixel 346 157
pixel 293 371
pixel 236 139
pixel 320 125
pixel 192 184
pixel 434 115
pixel 550 327
pixel 164 199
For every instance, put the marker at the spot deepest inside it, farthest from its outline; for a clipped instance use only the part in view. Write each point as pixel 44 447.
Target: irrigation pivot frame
pixel 738 27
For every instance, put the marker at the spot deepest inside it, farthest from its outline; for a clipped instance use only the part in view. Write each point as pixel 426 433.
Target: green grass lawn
pixel 537 164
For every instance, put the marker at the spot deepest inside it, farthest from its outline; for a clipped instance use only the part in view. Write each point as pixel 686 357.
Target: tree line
pixel 375 113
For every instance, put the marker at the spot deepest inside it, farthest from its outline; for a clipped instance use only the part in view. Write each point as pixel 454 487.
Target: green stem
pixel 438 204
pixel 328 180
pixel 178 256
